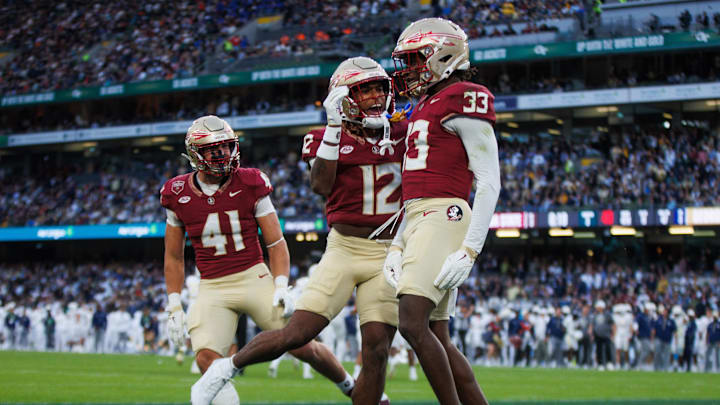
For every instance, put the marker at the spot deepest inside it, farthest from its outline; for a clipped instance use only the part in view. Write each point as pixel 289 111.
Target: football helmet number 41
pixel 210 132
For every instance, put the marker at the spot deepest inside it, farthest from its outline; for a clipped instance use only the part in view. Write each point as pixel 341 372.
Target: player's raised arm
pixel 324 166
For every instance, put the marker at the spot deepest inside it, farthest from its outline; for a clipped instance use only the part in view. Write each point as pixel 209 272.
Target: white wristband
pixel 332 134
pixel 174 301
pixel 281 282
pixel 328 152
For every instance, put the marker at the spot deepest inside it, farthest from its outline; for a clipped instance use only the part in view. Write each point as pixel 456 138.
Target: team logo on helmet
pixel 429 51
pixel 454 213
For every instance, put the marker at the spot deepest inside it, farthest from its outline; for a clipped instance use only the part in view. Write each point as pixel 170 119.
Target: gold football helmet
pixel 210 132
pixel 428 51
pixel 354 72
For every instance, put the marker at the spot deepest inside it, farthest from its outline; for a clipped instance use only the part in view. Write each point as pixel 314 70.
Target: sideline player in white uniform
pixel 678 342
pixel 623 321
pixel 450 145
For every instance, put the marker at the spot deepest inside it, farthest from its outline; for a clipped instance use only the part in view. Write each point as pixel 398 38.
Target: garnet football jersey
pixel 436 164
pixel 221 227
pixel 367 185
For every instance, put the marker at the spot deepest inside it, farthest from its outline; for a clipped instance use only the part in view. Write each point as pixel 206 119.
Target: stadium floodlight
pixel 704 233
pixel 558 232
pixel 622 231
pixel 681 230
pixel 508 233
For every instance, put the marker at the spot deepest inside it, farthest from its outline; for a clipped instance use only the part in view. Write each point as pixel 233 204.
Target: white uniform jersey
pixel 678 343
pixel 571 332
pixel 701 337
pixel 623 330
pixel 539 324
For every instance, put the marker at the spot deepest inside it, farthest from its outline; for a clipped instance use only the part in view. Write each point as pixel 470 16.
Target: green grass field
pixel 120 379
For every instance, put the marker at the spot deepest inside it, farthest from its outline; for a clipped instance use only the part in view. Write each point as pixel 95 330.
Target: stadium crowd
pixel 87 194
pixel 47 47
pixel 591 312
pixel 634 167
pixel 263 100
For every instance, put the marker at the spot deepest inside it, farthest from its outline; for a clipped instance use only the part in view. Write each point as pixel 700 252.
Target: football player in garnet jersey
pixel 450 143
pixel 355 163
pixel 220 206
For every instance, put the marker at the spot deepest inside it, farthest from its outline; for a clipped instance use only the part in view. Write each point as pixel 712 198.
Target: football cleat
pixel 227 395
pixel 210 384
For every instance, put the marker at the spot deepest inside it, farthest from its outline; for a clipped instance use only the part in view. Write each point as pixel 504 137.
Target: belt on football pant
pixel 361 231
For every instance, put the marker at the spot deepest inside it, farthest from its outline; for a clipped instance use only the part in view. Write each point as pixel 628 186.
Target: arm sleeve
pixel 264 207
pixel 172 218
pixel 478 137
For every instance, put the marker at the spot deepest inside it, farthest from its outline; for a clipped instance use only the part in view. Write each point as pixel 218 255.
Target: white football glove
pixel 456 269
pixel 176 320
pixel 282 296
pixel 392 268
pixel 333 106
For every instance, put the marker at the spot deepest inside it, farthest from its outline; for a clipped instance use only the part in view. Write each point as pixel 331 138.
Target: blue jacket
pixel 644 326
pixel 664 329
pixel 555 327
pixel 713 332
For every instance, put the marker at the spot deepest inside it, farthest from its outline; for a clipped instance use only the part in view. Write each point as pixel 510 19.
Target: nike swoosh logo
pixel 263 275
pixel 234 193
pixel 434 100
pixel 426 213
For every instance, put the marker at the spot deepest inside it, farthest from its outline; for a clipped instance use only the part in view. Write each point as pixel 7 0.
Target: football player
pixel 355 162
pixel 220 206
pixel 450 143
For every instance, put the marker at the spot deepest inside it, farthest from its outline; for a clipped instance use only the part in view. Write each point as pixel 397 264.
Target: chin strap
pixel 385 143
pixel 378 123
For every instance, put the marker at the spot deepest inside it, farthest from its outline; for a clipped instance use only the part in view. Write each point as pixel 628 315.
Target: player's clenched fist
pixel 333 106
pixel 176 320
pixel 392 268
pixel 456 269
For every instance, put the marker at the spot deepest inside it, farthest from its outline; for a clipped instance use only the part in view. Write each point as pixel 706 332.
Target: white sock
pixel 347 384
pixel 227 395
pixel 307 371
pixel 356 372
pixel 275 363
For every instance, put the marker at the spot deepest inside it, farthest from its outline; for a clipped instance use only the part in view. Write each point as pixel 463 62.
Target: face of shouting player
pixel 371 97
